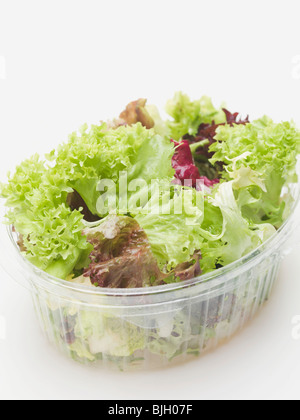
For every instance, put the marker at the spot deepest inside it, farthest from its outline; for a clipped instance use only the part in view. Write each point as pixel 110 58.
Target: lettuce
pixel 239 237
pixel 188 115
pixel 263 156
pixel 135 112
pixel 51 232
pixel 100 154
pixel 23 183
pixel 172 221
pixel 212 224
pixel 107 334
pixel 122 257
pixel 169 345
pixel 52 238
pixel 37 193
pixel 48 199
pixel 81 351
pixel 160 126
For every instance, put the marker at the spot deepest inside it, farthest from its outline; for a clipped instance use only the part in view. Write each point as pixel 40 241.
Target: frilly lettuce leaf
pixel 52 238
pixel 261 158
pixel 188 115
pixel 37 193
pixel 22 184
pixel 51 232
pixel 98 154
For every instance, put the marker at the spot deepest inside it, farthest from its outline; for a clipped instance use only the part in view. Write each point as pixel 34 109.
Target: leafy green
pixel 238 215
pixel 238 236
pixel 212 224
pixel 168 344
pixel 51 231
pixel 172 221
pixel 136 112
pixel 26 179
pixel 188 115
pixel 52 238
pixel 101 154
pixel 81 351
pixel 122 256
pixel 37 193
pixel 160 126
pixel 261 158
pixel 105 333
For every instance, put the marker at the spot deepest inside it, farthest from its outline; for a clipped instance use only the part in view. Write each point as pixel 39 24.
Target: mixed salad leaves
pixel 139 201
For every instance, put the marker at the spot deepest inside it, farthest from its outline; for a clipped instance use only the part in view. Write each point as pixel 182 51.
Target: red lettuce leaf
pixel 122 257
pixel 185 168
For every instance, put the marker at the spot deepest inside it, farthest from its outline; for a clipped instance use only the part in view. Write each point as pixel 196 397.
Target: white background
pixel 63 63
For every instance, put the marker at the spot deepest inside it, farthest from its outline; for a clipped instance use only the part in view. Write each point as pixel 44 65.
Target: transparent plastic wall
pixel 159 333
pixel 156 326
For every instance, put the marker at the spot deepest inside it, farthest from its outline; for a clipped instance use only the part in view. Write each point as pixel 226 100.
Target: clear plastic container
pixel 153 327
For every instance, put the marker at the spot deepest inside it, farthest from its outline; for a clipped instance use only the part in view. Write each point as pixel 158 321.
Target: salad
pixel 139 201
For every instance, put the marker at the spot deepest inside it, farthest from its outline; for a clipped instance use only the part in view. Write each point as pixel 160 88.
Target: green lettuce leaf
pixel 51 232
pixel 261 158
pixel 100 154
pixel 52 238
pixel 171 220
pixel 108 334
pixel 188 115
pixel 238 237
pixel 22 184
pixel 160 126
pixel 81 351
pixel 213 225
pixel 37 193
